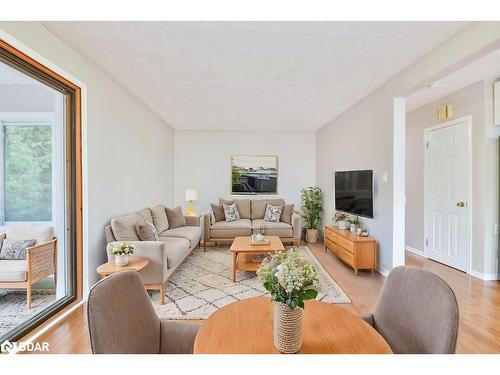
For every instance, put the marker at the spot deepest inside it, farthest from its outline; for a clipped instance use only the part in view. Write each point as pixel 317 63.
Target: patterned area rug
pixel 13 308
pixel 202 284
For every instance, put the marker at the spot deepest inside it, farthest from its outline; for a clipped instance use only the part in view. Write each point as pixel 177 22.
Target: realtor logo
pixel 14 347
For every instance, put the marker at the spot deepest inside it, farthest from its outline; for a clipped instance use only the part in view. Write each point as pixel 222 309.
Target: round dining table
pixel 246 327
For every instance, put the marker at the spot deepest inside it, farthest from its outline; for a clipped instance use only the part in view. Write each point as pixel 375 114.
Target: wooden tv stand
pixel 358 252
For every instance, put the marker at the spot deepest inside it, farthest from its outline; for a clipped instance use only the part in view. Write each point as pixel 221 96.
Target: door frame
pixel 469 206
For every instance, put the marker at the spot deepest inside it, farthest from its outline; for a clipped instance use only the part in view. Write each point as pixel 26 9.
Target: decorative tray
pixel 259 243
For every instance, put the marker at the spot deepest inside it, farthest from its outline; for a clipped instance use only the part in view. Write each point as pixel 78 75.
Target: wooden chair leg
pixel 28 296
pixel 204 245
pixel 162 294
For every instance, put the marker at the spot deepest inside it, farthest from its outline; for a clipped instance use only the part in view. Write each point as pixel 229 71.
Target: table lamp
pixel 191 195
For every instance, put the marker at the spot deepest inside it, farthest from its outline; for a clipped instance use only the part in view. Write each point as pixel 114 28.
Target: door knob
pixel 461 204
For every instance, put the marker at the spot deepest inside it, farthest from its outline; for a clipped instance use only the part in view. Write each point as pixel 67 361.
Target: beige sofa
pixel 164 255
pixel 252 213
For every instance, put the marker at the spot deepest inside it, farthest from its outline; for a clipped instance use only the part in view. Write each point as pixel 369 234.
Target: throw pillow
pixel 218 212
pixel 160 219
pixel 175 217
pixel 231 212
pixel 242 204
pixel 15 250
pixel 273 213
pixel 124 227
pixel 286 213
pixel 212 218
pixel 147 231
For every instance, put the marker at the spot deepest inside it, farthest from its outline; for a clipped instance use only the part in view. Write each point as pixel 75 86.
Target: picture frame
pixel 254 174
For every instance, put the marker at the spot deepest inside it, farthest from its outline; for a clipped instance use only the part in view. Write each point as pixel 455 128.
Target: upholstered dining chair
pixel 122 320
pixel 417 312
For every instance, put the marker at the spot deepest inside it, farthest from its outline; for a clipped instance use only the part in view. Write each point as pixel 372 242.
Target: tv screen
pixel 354 192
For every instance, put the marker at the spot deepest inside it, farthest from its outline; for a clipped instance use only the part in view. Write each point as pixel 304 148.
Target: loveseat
pixel 251 212
pixel 175 243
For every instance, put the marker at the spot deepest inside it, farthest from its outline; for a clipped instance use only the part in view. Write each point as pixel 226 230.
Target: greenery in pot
pixel 340 216
pixel 312 206
pixel 354 220
pixel 289 278
pixel 123 248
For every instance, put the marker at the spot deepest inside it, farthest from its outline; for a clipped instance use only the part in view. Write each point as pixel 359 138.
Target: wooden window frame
pixel 74 182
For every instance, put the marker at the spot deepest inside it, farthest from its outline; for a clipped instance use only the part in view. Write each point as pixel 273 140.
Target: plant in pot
pixel 340 219
pixel 353 223
pixel 311 209
pixel 122 252
pixel 290 279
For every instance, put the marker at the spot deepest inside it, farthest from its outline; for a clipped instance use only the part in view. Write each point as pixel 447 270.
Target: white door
pixel 447 193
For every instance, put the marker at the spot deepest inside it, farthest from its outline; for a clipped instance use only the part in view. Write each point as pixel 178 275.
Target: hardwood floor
pixel 479 304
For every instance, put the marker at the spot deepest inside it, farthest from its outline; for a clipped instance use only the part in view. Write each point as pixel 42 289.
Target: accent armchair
pixel 40 262
pixel 417 313
pixel 122 320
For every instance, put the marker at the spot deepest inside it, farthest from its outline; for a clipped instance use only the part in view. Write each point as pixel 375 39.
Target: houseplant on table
pixel 311 209
pixel 341 219
pixel 122 252
pixel 290 279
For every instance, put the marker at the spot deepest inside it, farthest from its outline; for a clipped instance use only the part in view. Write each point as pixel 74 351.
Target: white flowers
pixel 289 278
pixel 123 248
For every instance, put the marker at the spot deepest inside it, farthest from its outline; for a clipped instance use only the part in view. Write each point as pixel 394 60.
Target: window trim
pixel 74 173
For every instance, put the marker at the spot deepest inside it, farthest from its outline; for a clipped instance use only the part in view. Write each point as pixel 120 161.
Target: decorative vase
pixel 122 260
pixel 287 328
pixel 312 235
pixel 353 228
pixel 342 224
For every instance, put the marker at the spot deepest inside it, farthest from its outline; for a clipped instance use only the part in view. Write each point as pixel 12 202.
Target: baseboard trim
pixel 412 250
pixel 483 276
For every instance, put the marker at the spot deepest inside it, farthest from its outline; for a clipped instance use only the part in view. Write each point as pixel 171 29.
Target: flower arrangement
pixel 289 278
pixel 123 248
pixel 340 216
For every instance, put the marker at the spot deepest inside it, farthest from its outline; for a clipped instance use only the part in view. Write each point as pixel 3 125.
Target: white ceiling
pixel 254 76
pixel 485 68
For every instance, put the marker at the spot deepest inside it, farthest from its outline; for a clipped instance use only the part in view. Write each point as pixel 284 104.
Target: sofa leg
pixel 28 296
pixel 204 245
pixel 162 294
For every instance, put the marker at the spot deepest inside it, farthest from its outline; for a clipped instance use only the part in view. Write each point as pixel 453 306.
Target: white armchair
pixel 40 262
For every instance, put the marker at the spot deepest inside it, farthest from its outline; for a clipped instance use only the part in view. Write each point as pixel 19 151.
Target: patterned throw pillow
pixel 231 212
pixel 273 213
pixel 15 250
pixel 147 231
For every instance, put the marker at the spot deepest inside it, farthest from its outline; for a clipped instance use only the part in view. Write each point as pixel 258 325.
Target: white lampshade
pixel 191 195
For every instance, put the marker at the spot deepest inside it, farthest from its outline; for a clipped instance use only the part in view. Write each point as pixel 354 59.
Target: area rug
pixel 13 308
pixel 202 284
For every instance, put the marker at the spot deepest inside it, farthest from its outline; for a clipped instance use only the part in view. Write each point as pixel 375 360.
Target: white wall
pixel 130 151
pixel 470 100
pixel 203 162
pixel 362 137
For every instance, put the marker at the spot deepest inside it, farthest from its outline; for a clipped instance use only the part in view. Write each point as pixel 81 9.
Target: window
pixel 40 186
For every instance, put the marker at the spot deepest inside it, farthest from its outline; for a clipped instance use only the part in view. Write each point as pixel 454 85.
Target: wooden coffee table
pixel 246 327
pixel 136 264
pixel 243 251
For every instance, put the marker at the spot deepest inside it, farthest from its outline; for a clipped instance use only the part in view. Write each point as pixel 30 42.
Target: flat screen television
pixel 354 192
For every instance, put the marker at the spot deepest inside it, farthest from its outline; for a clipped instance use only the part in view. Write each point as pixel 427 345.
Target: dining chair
pixel 417 312
pixel 122 320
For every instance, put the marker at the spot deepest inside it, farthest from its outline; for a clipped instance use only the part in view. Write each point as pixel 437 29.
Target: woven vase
pixel 287 328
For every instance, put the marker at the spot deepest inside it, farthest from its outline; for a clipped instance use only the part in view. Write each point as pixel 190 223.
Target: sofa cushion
pixel 273 229
pixel 146 214
pixel 231 212
pixel 124 227
pixel 15 250
pixel 192 234
pixel 146 231
pixel 286 213
pixel 229 229
pixel 2 237
pixel 218 212
pixel 273 213
pixel 13 270
pixel 39 233
pixel 176 248
pixel 243 206
pixel 160 219
pixel 175 217
pixel 258 208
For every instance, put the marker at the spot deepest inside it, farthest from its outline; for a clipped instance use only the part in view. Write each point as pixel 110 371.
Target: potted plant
pixel 290 279
pixel 122 252
pixel 354 223
pixel 340 219
pixel 311 209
